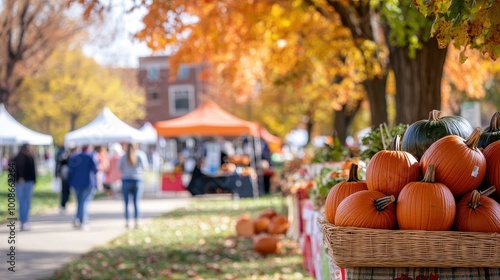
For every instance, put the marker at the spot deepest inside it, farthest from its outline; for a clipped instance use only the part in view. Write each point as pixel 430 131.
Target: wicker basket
pixel 362 247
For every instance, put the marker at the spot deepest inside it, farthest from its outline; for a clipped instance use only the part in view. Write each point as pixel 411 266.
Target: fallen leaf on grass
pixel 214 266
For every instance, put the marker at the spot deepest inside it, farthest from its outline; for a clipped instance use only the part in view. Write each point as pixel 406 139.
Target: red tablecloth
pixel 172 182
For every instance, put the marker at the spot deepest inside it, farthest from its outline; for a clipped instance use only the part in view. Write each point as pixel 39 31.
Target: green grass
pixel 195 242
pixel 43 200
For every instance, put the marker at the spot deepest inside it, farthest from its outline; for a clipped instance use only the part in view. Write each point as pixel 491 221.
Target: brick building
pixel 168 97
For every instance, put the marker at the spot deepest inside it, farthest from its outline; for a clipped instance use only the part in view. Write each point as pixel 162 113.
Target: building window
pixel 153 73
pixel 181 99
pixel 153 98
pixel 183 72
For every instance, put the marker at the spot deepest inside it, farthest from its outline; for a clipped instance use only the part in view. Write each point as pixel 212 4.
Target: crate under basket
pixel 363 247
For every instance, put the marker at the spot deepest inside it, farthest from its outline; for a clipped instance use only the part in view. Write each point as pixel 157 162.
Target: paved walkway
pixel 52 240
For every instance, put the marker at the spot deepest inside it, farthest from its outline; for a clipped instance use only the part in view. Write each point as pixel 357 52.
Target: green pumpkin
pixel 421 134
pixel 491 133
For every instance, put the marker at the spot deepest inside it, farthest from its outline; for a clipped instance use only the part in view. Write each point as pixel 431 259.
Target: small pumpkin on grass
pixel 342 190
pixel 270 213
pixel 261 224
pixel 245 226
pixel 279 225
pixel 426 205
pixel 476 212
pixel 420 135
pixel 459 164
pixel 390 170
pixel 266 244
pixel 367 209
pixel 491 133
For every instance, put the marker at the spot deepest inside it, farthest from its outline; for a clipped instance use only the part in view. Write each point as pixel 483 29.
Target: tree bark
pixel 343 119
pixel 375 89
pixel 356 16
pixel 418 80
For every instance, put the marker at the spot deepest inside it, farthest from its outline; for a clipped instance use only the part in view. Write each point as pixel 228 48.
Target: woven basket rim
pixel 365 247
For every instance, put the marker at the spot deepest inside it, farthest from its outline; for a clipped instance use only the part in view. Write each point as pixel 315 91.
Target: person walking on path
pixel 82 178
pixel 62 170
pixel 113 178
pixel 25 177
pixel 133 164
pixel 102 166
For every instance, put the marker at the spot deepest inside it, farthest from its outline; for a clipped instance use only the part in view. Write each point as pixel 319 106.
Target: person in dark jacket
pixel 25 176
pixel 82 178
pixel 62 173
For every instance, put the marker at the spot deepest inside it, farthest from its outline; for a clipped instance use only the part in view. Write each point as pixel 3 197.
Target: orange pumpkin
pixel 342 190
pixel 477 212
pixel 261 224
pixel 244 226
pixel 390 170
pixel 459 164
pixel 279 225
pixel 367 209
pixel 270 213
pixel 426 205
pixel 266 244
pixel 492 155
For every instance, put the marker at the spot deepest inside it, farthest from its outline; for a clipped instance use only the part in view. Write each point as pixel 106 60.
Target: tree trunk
pixel 309 124
pixel 4 97
pixel 72 121
pixel 375 89
pixel 343 120
pixel 418 81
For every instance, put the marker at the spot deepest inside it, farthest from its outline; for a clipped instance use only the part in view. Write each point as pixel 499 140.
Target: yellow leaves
pixel 71 90
pixel 466 77
pixel 468 23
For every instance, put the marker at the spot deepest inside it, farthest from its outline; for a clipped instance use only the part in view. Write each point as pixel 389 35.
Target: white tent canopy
pixel 150 133
pixel 14 133
pixel 104 129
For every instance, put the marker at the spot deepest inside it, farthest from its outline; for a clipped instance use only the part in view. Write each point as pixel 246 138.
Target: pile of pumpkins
pixel 265 230
pixel 439 180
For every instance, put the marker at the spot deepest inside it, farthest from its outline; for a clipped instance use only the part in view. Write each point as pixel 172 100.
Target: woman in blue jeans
pixel 82 178
pixel 133 164
pixel 23 165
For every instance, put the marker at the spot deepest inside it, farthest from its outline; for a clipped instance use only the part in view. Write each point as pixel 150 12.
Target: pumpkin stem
pixel 434 115
pixel 396 143
pixel 430 174
pixel 353 173
pixel 489 191
pixel 383 202
pixel 473 139
pixel 495 123
pixel 474 200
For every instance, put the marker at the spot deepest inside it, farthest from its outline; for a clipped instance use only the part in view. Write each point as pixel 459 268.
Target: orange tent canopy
pixel 208 119
pixel 274 142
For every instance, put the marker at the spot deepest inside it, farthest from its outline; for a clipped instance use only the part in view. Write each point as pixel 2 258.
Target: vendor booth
pixel 13 134
pixel 210 120
pixel 106 128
